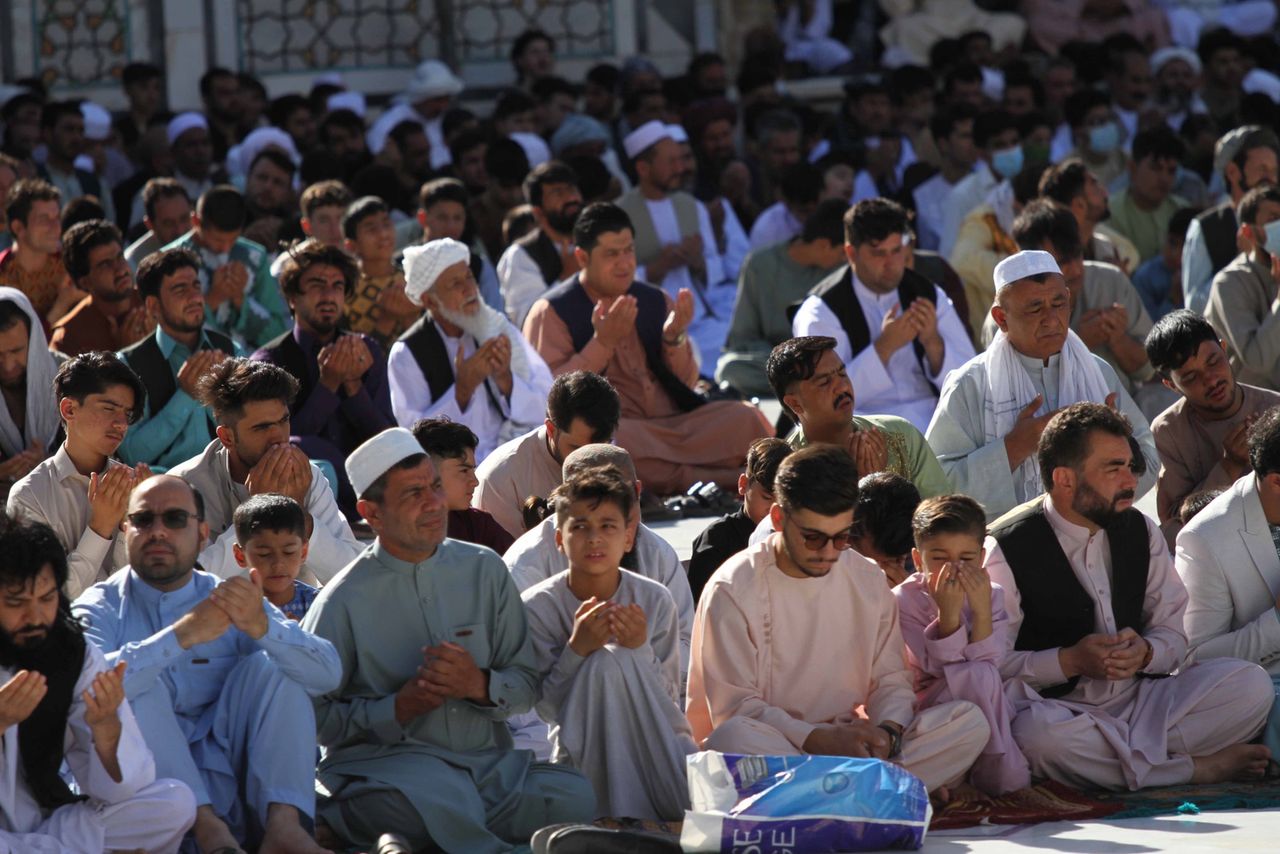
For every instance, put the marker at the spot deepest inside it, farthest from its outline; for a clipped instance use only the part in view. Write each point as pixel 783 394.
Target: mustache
pixel 843 397
pixel 1123 495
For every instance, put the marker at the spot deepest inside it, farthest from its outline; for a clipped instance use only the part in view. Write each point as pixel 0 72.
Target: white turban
pixel 184 122
pixel 240 158
pixel 424 264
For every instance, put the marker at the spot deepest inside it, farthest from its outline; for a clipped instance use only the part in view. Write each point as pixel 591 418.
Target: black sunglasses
pixel 174 520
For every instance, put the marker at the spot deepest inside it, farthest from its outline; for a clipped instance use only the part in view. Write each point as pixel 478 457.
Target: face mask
pixel 1105 138
pixel 1007 162
pixel 1035 152
pixel 1272 230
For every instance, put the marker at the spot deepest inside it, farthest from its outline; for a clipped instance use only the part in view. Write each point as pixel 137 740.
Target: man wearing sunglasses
pixel 804 589
pixel 219 679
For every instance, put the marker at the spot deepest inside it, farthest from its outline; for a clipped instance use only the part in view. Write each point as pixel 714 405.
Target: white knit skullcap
pixel 424 264
pixel 1024 265
pixel 375 457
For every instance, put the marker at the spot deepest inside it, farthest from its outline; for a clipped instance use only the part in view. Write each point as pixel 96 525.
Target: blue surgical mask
pixel 1272 230
pixel 1104 139
pixel 1008 161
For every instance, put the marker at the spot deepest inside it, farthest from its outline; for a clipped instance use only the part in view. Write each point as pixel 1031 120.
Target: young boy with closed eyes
pixel 954 624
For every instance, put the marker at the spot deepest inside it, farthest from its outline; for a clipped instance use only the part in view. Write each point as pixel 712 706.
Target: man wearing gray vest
pixel 675 244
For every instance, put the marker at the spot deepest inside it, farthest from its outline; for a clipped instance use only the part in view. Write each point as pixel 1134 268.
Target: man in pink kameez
pixel 796 645
pixel 1095 628
pixel 636 336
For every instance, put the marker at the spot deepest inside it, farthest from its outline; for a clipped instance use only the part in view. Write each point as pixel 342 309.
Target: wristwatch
pixel 895 740
pixel 680 339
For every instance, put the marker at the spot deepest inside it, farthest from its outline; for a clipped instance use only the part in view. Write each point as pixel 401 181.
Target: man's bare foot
pixel 1237 762
pixel 212 833
pixel 283 833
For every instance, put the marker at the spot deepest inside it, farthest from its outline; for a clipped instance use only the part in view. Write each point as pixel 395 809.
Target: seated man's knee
pixel 566 794
pixel 361 819
pixel 972 726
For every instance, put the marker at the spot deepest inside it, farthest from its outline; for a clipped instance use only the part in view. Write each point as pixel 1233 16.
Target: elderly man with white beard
pixel 463 359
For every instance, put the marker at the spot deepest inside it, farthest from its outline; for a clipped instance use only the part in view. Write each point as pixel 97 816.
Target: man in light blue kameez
pixel 994 407
pixel 435 657
pixel 218 678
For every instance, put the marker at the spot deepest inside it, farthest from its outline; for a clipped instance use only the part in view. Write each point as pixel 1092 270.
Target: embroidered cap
pixel 1024 265
pixel 375 457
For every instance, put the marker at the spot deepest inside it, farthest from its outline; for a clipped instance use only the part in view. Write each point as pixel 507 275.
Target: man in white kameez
pixel 896 332
pixel 675 243
pixel 1096 628
pixel 60 700
pixel 252 454
pixel 994 407
pixel 759 682
pixel 463 359
pixel 435 657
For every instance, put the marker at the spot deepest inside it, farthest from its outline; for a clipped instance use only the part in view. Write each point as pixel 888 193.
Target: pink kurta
pixel 672 449
pixel 1128 733
pixel 775 657
pixel 951 668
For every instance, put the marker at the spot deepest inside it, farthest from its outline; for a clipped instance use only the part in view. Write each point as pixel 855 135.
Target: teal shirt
pixel 180 430
pixel 263 315
pixel 909 454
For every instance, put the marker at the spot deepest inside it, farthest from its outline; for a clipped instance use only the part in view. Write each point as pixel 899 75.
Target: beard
pixel 22 646
pixel 176 323
pixel 563 220
pixel 1091 504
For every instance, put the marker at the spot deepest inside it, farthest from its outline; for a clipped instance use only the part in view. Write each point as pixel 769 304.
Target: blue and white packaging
pixel 802 805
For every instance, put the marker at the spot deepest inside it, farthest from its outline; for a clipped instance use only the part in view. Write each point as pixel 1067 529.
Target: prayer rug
pixel 1048 801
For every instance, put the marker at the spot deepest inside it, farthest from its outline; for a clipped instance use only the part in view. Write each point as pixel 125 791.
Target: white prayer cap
pixel 577 129
pixel 97 121
pixel 649 133
pixel 389 121
pixel 424 264
pixel 240 158
pixel 431 79
pixel 84 163
pixel 1024 265
pixel 1262 81
pixel 1228 145
pixel 535 148
pixel 353 101
pixel 376 457
pixel 184 122
pixel 1165 55
pixel 677 133
pixel 329 78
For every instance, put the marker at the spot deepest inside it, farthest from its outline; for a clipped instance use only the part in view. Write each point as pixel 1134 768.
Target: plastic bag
pixel 802 805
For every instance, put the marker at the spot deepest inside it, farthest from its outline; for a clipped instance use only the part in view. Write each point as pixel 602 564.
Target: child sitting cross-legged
pixel 271 542
pixel 606 643
pixel 955 627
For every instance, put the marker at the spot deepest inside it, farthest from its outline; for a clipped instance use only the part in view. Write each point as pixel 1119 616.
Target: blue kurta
pixel 455 764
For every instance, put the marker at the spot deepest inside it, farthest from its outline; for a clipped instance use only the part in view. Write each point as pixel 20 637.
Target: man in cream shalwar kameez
pixel 1107 726
pixel 779 656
